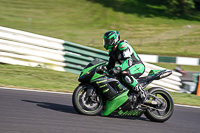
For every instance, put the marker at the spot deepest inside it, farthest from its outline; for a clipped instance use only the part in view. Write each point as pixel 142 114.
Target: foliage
pixel 181 6
pixel 167 7
pixel 197 4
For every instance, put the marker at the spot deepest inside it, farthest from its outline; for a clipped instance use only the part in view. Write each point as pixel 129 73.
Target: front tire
pixel 163 112
pixel 86 105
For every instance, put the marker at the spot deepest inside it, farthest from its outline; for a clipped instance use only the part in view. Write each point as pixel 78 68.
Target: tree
pixel 181 6
pixel 197 4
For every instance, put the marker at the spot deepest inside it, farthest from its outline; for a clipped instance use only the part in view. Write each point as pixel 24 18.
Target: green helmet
pixel 110 39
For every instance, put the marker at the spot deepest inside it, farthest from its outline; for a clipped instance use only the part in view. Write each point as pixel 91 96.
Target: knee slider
pixel 128 79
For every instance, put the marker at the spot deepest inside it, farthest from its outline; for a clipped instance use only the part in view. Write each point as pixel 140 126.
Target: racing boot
pixel 142 93
pixel 135 86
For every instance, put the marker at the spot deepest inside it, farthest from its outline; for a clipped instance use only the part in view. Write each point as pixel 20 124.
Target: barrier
pixel 28 49
pixel 176 60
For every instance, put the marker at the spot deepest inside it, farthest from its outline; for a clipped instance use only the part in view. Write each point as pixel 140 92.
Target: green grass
pixel 148 27
pixel 37 78
pixel 50 80
pixel 185 99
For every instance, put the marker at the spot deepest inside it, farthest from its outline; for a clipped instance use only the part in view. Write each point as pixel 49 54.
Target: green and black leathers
pixel 129 61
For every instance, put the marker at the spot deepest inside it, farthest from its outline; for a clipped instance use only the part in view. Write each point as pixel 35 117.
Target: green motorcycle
pixel 102 93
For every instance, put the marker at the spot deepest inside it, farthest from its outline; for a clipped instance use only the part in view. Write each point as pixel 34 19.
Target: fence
pixel 28 49
pixel 176 60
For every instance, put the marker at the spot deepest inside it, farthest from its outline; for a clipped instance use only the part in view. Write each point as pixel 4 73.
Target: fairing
pixel 115 103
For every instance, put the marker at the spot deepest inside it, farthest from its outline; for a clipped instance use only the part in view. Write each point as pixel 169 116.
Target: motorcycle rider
pixel 131 66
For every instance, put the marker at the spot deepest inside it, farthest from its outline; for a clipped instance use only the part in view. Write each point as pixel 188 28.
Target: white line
pixel 188 106
pixel 35 90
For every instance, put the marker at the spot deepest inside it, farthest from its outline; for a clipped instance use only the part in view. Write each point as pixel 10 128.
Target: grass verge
pixel 37 78
pixel 185 99
pixel 50 80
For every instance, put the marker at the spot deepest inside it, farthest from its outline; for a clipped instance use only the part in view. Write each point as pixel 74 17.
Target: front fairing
pixel 89 72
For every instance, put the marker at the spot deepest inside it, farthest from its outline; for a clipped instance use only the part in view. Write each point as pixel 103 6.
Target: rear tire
pixel 83 106
pixel 165 111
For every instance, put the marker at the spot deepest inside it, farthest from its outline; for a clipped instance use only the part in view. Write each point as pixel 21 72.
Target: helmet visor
pixel 107 43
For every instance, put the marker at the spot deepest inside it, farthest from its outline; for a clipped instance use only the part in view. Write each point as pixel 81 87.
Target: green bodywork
pixel 87 71
pixel 84 71
pixel 111 105
pixel 153 72
pixel 96 75
pixel 115 103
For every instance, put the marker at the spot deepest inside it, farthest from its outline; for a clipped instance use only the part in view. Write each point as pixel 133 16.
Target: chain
pixel 153 107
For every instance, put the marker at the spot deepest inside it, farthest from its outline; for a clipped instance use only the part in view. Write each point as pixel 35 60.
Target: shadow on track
pixel 54 106
pixel 70 109
pixel 130 118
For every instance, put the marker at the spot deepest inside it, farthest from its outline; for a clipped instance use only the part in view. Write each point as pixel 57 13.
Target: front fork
pixel 91 94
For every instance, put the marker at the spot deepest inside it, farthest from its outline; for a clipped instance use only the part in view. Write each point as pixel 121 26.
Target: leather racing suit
pixel 129 61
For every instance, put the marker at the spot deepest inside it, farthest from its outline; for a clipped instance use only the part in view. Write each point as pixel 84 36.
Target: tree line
pixel 183 6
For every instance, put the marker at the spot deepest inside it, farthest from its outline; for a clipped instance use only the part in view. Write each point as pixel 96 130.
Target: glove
pixel 115 71
pixel 102 68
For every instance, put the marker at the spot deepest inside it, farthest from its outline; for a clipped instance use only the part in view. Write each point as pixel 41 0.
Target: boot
pixel 141 92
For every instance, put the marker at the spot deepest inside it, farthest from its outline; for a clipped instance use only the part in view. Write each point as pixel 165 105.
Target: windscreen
pixel 95 62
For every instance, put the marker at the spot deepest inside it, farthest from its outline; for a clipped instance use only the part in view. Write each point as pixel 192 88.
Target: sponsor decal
pixel 129 113
pixel 123 46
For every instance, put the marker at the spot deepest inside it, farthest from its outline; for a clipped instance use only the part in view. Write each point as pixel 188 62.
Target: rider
pixel 131 66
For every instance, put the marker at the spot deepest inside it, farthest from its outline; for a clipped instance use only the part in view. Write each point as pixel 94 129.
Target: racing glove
pixel 101 69
pixel 115 71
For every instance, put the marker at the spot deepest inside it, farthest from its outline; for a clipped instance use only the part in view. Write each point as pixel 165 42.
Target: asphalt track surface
pixel 41 112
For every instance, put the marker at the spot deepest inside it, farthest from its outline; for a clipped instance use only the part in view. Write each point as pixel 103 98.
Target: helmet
pixel 110 39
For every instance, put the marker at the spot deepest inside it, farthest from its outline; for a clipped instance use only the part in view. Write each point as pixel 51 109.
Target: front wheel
pixel 163 112
pixel 88 105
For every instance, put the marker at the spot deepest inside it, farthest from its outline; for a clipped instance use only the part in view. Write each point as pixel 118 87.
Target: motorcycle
pixel 100 92
pixel 180 70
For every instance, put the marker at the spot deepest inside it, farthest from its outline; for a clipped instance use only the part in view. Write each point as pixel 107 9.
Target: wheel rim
pixel 164 109
pixel 90 105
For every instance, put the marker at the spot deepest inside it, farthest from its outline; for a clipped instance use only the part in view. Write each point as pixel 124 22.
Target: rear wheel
pixel 161 112
pixel 91 105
